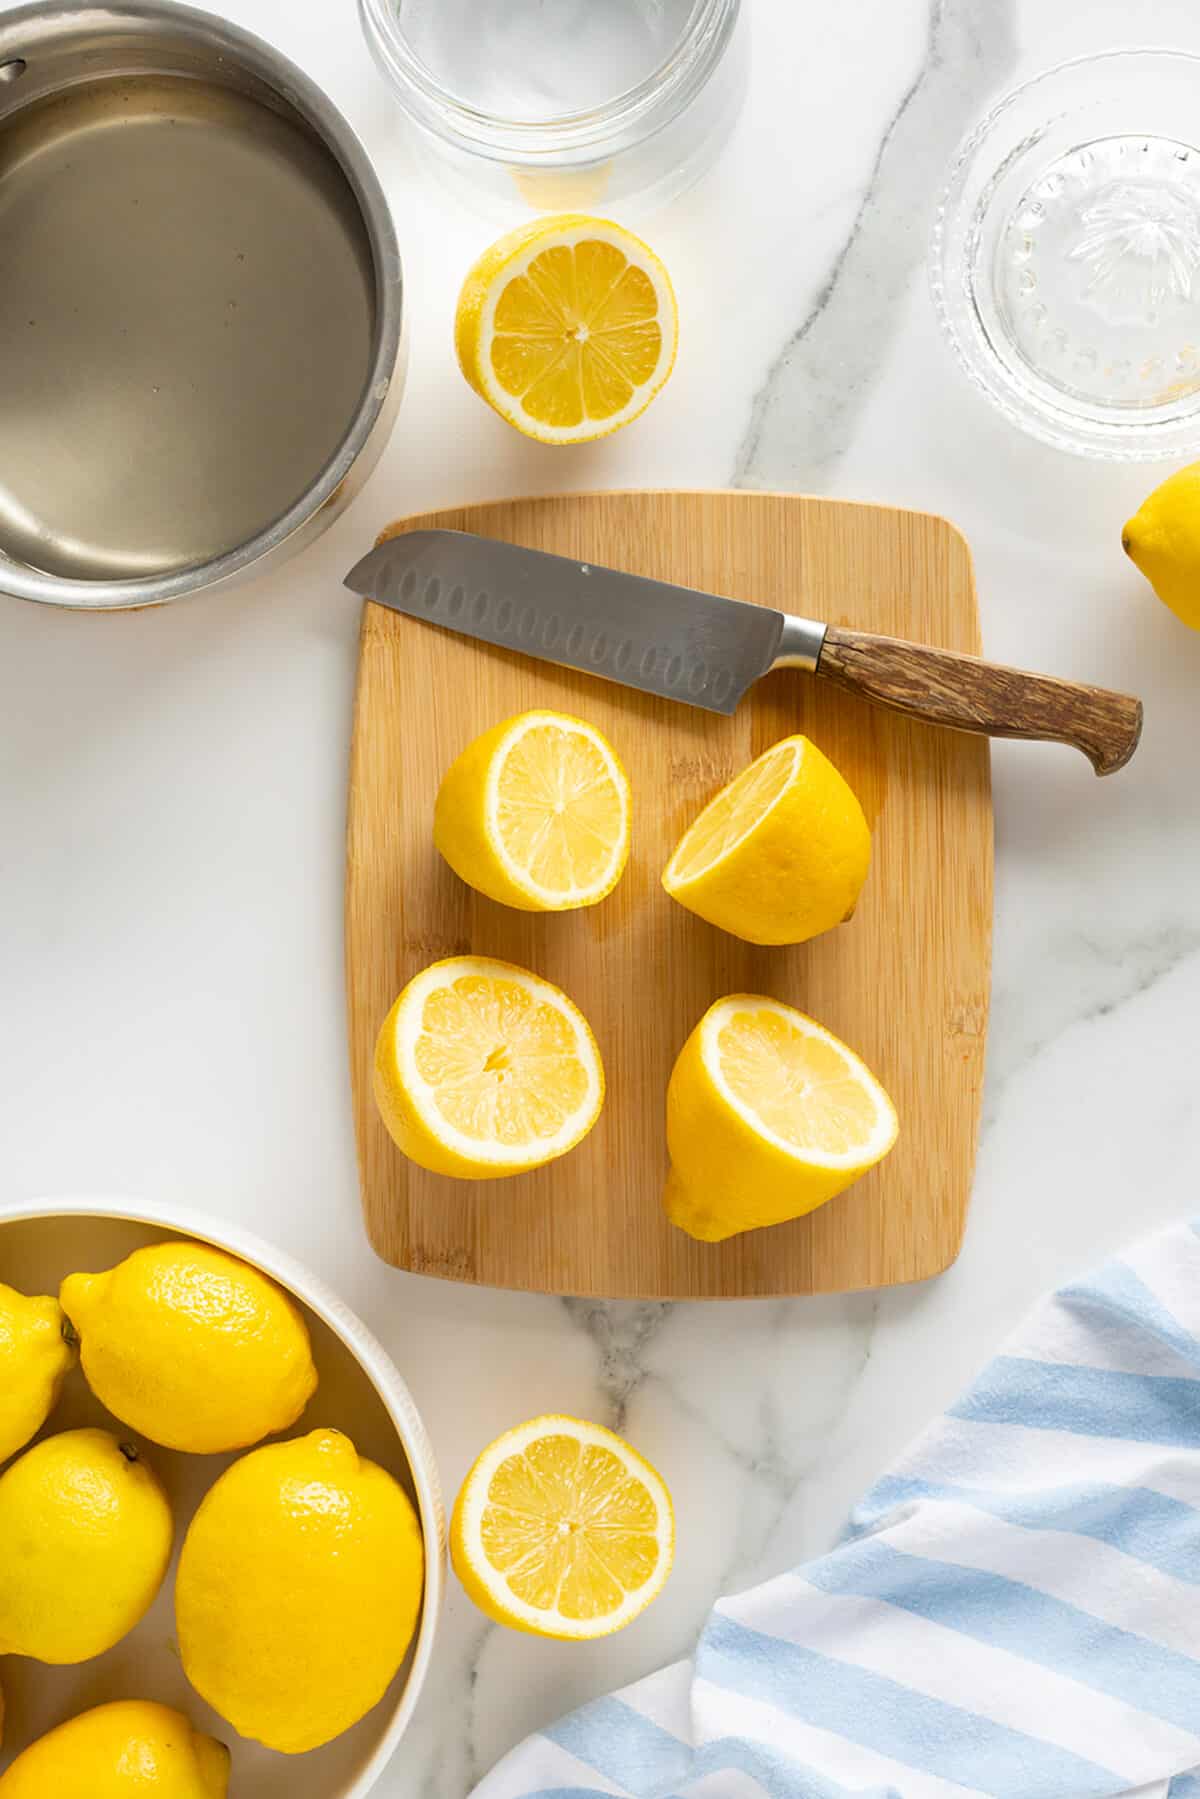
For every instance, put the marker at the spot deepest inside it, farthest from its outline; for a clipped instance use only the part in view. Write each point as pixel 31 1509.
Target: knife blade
pixel 677 642
pixel 708 650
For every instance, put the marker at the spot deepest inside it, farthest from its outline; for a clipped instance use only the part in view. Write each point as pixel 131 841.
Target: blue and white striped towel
pixel 1014 1610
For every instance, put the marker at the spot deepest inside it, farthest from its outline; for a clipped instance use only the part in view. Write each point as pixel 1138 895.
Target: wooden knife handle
pixel 965 694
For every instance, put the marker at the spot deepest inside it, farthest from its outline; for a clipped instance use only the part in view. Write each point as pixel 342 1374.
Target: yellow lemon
pixel 535 814
pixel 34 1360
pixel 299 1590
pixel 567 327
pixel 1163 539
pixel 780 854
pixel 121 1751
pixel 483 1069
pixel 562 1530
pixel 191 1347
pixel 768 1116
pixel 85 1538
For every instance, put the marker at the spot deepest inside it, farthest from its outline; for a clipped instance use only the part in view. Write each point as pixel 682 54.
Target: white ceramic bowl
pixel 361 1392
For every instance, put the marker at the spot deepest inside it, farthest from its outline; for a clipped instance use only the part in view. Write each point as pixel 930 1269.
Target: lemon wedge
pixel 768 1116
pixel 780 854
pixel 567 327
pixel 535 813
pixel 483 1069
pixel 562 1530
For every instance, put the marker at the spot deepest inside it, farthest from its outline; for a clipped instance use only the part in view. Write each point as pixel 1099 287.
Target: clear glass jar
pixel 563 105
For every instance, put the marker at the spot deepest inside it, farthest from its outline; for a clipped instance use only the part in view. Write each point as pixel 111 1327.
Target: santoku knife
pixel 705 650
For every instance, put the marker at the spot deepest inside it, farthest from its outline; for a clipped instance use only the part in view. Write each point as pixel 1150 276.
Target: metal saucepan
pixel 200 305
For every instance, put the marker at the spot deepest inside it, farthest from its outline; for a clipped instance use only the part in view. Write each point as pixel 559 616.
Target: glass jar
pixel 586 105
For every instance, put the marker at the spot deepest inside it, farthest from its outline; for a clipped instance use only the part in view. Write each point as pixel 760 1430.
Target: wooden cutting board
pixel 905 983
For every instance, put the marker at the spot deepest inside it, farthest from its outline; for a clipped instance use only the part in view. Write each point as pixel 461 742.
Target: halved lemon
pixel 780 854
pixel 567 327
pixel 483 1069
pixel 535 813
pixel 769 1115
pixel 562 1530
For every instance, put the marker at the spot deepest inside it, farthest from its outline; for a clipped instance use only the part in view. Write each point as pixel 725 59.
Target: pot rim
pixel 25 27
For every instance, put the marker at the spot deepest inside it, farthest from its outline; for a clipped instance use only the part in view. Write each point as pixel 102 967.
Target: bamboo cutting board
pixel 905 983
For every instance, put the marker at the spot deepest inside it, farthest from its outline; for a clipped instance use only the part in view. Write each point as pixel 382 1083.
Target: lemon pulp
pixel 483 1069
pixel 558 810
pixel 576 333
pixel 734 812
pixel 567 327
pixel 500 1062
pixel 535 813
pixel 800 1087
pixel 561 1529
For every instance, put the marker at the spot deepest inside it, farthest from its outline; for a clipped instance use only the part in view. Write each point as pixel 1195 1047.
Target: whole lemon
pixel 121 1751
pixel 1163 539
pixel 191 1347
pixel 34 1360
pixel 85 1538
pixel 298 1590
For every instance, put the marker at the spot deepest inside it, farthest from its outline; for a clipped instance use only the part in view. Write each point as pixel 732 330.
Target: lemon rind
pixel 674 883
pixel 557 898
pixel 473 1498
pixel 509 405
pixel 474 1149
pixel 864 1155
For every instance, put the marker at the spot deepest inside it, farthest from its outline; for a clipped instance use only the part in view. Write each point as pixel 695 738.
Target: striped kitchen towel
pixel 1014 1610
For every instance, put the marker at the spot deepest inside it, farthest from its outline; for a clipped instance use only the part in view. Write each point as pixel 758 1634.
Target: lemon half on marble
pixel 561 1529
pixel 567 327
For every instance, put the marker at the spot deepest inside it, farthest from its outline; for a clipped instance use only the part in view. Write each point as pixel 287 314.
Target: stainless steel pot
pixel 200 305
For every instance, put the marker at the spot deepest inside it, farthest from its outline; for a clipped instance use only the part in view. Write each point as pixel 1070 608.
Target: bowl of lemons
pixel 221 1530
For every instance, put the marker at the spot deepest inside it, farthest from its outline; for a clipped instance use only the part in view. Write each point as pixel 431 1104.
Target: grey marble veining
pixel 804 415
pixel 1098 971
pixel 621 1331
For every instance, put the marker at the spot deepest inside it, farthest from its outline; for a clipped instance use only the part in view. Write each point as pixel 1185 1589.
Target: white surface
pixel 172 801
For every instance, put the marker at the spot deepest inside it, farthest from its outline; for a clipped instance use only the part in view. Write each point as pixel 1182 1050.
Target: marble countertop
pixel 172 802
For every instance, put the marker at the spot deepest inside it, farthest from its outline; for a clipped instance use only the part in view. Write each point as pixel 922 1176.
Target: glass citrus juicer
pixel 1065 261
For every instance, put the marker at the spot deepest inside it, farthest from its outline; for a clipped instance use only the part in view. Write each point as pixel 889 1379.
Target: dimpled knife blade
pixel 677 642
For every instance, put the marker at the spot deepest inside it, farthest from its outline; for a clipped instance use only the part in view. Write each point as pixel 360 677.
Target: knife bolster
pixel 800 644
